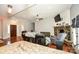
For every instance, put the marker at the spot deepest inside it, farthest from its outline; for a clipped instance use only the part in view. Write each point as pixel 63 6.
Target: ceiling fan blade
pixel 40 18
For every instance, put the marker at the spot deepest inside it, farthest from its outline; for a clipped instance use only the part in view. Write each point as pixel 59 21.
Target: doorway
pixel 13 33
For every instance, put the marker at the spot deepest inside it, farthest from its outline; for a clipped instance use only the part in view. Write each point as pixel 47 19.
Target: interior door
pixel 13 33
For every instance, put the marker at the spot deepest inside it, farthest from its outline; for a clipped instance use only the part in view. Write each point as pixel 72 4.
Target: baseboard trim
pixel 1 38
pixel 18 37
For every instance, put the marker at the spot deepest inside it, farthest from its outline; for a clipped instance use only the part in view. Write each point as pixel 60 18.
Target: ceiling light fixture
pixel 10 9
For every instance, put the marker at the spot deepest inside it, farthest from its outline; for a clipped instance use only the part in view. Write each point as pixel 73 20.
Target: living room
pixel 40 18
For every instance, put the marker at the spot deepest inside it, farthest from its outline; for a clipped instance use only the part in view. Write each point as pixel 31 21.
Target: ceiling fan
pixel 38 18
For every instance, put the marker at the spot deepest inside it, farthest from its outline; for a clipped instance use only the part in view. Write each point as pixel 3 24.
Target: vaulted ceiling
pixel 29 11
pixel 15 8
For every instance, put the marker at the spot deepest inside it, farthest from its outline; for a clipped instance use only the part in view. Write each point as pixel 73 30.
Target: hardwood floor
pixel 5 41
pixel 2 43
pixel 65 47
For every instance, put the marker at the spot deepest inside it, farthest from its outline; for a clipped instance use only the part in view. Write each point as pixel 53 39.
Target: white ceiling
pixel 44 10
pixel 15 8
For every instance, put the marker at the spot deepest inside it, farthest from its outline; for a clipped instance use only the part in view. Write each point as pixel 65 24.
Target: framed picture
pixel 77 21
pixel 73 23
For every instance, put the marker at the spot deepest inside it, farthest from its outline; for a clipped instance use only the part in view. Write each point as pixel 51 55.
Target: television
pixel 57 18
